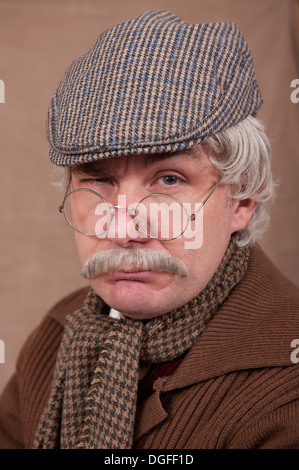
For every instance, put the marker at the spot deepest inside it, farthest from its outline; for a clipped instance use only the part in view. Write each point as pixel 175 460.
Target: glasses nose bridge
pixel 127 208
pixel 120 226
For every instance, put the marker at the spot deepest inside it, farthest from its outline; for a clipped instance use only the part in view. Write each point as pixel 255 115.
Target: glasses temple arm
pixel 192 217
pixel 61 207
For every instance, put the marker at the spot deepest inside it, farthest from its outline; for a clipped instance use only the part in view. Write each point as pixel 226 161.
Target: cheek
pixel 85 246
pixel 200 250
pixel 217 218
pixel 202 262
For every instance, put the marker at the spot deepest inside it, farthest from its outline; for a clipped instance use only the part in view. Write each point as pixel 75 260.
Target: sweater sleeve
pixel 277 430
pixel 11 430
pixel 25 395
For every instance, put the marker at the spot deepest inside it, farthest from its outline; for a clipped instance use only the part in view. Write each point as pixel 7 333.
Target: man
pixel 182 337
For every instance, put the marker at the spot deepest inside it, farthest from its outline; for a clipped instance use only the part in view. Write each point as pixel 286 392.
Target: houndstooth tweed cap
pixel 153 84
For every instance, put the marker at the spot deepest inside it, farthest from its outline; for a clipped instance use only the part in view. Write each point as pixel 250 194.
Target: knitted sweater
pixel 237 388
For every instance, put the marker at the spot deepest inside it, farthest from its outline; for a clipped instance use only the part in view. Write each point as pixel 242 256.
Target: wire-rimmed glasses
pixel 159 216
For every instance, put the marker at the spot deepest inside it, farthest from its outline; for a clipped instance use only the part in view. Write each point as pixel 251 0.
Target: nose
pixel 124 228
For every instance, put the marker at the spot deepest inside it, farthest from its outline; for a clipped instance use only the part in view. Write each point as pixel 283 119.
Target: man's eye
pixel 102 180
pixel 169 180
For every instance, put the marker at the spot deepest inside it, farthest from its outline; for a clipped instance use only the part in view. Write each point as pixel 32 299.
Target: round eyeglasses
pixel 158 216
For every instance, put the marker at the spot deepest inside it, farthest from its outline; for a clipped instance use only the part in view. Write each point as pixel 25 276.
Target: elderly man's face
pixel 187 176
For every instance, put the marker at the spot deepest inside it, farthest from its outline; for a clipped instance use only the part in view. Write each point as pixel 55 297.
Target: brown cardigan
pixel 236 388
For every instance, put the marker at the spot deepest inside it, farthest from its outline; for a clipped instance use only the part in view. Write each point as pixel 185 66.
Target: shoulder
pixel 262 264
pixel 44 341
pixel 50 329
pixel 265 289
pixel 67 305
pixel 265 308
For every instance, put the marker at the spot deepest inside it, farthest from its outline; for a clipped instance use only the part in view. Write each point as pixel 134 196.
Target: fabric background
pixel 38 40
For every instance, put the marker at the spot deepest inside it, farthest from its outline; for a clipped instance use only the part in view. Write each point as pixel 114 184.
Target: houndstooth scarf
pixel 92 402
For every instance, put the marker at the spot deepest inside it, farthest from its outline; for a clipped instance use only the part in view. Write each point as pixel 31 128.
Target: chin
pixel 138 308
pixel 135 299
pixel 140 296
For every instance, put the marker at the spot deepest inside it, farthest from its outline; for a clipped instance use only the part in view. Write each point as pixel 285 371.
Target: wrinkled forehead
pixel 197 155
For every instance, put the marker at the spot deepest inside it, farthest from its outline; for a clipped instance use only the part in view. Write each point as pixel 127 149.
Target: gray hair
pixel 242 154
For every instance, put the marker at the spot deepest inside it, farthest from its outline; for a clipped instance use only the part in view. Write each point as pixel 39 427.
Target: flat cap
pixel 153 84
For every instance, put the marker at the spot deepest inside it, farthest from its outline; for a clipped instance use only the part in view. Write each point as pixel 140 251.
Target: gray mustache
pixel 132 260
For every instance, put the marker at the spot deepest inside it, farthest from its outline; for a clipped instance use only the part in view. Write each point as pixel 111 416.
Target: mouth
pixel 133 274
pixel 131 269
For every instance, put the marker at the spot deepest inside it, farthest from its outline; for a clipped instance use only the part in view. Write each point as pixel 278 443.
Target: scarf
pixel 92 403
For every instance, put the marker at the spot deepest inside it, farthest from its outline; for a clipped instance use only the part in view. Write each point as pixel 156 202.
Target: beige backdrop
pixel 38 40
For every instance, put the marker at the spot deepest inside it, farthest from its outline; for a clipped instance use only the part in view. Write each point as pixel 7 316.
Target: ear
pixel 242 213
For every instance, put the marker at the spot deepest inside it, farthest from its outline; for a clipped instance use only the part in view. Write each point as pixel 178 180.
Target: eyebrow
pixel 92 168
pixel 156 157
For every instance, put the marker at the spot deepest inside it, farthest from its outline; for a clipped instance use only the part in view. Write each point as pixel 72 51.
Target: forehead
pixel 196 156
